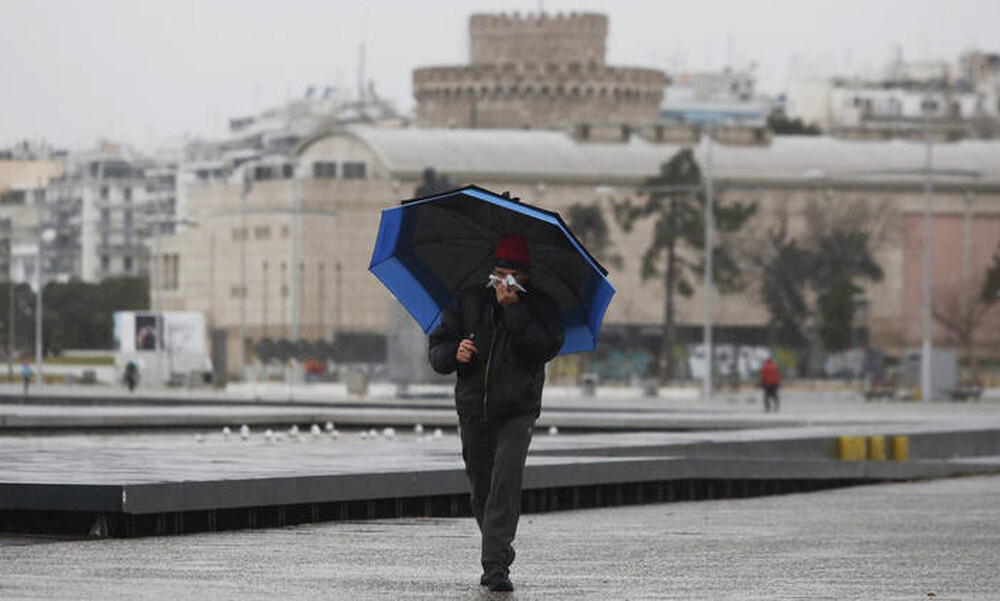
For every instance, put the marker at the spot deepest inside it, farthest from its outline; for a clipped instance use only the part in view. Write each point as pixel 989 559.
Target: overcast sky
pixel 141 71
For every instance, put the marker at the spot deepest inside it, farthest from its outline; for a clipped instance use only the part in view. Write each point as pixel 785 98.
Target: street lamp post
pixel 706 384
pixel 926 389
pixel 38 297
pixel 7 229
pixel 294 267
pixel 11 322
pixel 247 186
pixel 43 234
pixel 296 252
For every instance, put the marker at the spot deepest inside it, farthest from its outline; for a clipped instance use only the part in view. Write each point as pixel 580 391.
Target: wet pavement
pixel 928 540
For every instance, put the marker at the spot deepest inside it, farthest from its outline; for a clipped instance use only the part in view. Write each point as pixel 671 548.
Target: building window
pixel 105 263
pixel 354 170
pixel 287 171
pixel 104 193
pixel 128 218
pixel 262 173
pixel 325 170
pixel 234 291
pixel 105 216
pixel 127 194
pixel 262 232
pixel 171 271
pixel 128 264
pixel 13 197
pixel 285 231
pixel 239 234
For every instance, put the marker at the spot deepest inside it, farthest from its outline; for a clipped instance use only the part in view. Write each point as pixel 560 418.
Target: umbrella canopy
pixel 430 248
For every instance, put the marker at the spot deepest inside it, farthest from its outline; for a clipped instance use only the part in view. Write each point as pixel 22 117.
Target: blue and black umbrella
pixel 430 248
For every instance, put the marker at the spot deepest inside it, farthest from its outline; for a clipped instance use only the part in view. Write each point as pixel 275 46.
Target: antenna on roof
pixel 361 73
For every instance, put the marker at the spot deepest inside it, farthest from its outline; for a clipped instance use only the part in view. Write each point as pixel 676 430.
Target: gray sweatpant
pixel 494 454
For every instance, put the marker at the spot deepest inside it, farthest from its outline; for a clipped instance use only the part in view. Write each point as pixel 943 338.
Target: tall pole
pixel 12 323
pixel 38 296
pixel 340 303
pixel 295 271
pixel 321 311
pixel 156 267
pixel 296 242
pixel 706 384
pixel 925 354
pixel 247 183
pixel 263 303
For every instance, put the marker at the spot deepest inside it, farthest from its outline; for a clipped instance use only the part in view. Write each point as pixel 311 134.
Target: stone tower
pixel 537 71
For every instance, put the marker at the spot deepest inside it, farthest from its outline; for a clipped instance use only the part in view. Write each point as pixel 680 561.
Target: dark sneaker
pixel 498 581
pixel 486 575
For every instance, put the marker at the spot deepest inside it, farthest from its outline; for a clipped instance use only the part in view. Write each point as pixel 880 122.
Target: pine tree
pixel 675 201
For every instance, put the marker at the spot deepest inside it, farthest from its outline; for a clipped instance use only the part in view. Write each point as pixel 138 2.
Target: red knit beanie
pixel 512 253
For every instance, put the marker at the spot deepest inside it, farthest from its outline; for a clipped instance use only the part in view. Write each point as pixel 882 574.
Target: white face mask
pixel 508 281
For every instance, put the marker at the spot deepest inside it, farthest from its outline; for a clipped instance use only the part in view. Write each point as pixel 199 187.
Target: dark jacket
pixel 506 375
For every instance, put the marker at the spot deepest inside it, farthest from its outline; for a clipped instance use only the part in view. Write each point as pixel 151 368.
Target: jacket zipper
pixel 489 362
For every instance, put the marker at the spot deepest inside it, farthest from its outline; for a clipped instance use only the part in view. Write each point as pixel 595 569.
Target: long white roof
pixel 555 154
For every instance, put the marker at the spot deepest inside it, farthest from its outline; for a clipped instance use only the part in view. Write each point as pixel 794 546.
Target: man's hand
pixel 466 350
pixel 506 295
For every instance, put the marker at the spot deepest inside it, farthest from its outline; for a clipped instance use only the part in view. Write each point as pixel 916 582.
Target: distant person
pixel 131 375
pixel 498 338
pixel 770 381
pixel 26 373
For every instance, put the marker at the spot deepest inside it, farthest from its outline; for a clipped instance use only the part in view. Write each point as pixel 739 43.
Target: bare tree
pixel 960 310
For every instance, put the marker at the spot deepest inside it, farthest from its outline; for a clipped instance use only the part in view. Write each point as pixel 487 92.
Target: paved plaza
pixel 921 540
pixel 927 540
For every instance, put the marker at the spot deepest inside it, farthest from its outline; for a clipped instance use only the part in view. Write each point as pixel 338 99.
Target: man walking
pixel 498 337
pixel 770 381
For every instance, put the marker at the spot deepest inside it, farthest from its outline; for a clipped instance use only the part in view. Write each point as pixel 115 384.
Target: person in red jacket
pixel 770 381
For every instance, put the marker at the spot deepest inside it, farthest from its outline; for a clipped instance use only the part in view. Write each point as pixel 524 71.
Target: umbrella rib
pixel 468 222
pixel 579 299
pixel 476 240
pixel 468 274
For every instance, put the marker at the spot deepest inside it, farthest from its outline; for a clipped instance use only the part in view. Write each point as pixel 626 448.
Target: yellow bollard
pixel 900 448
pixel 876 448
pixel 852 448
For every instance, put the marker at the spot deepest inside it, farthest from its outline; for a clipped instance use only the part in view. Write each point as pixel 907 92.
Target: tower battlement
pixel 537 70
pixel 564 21
pixel 561 38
